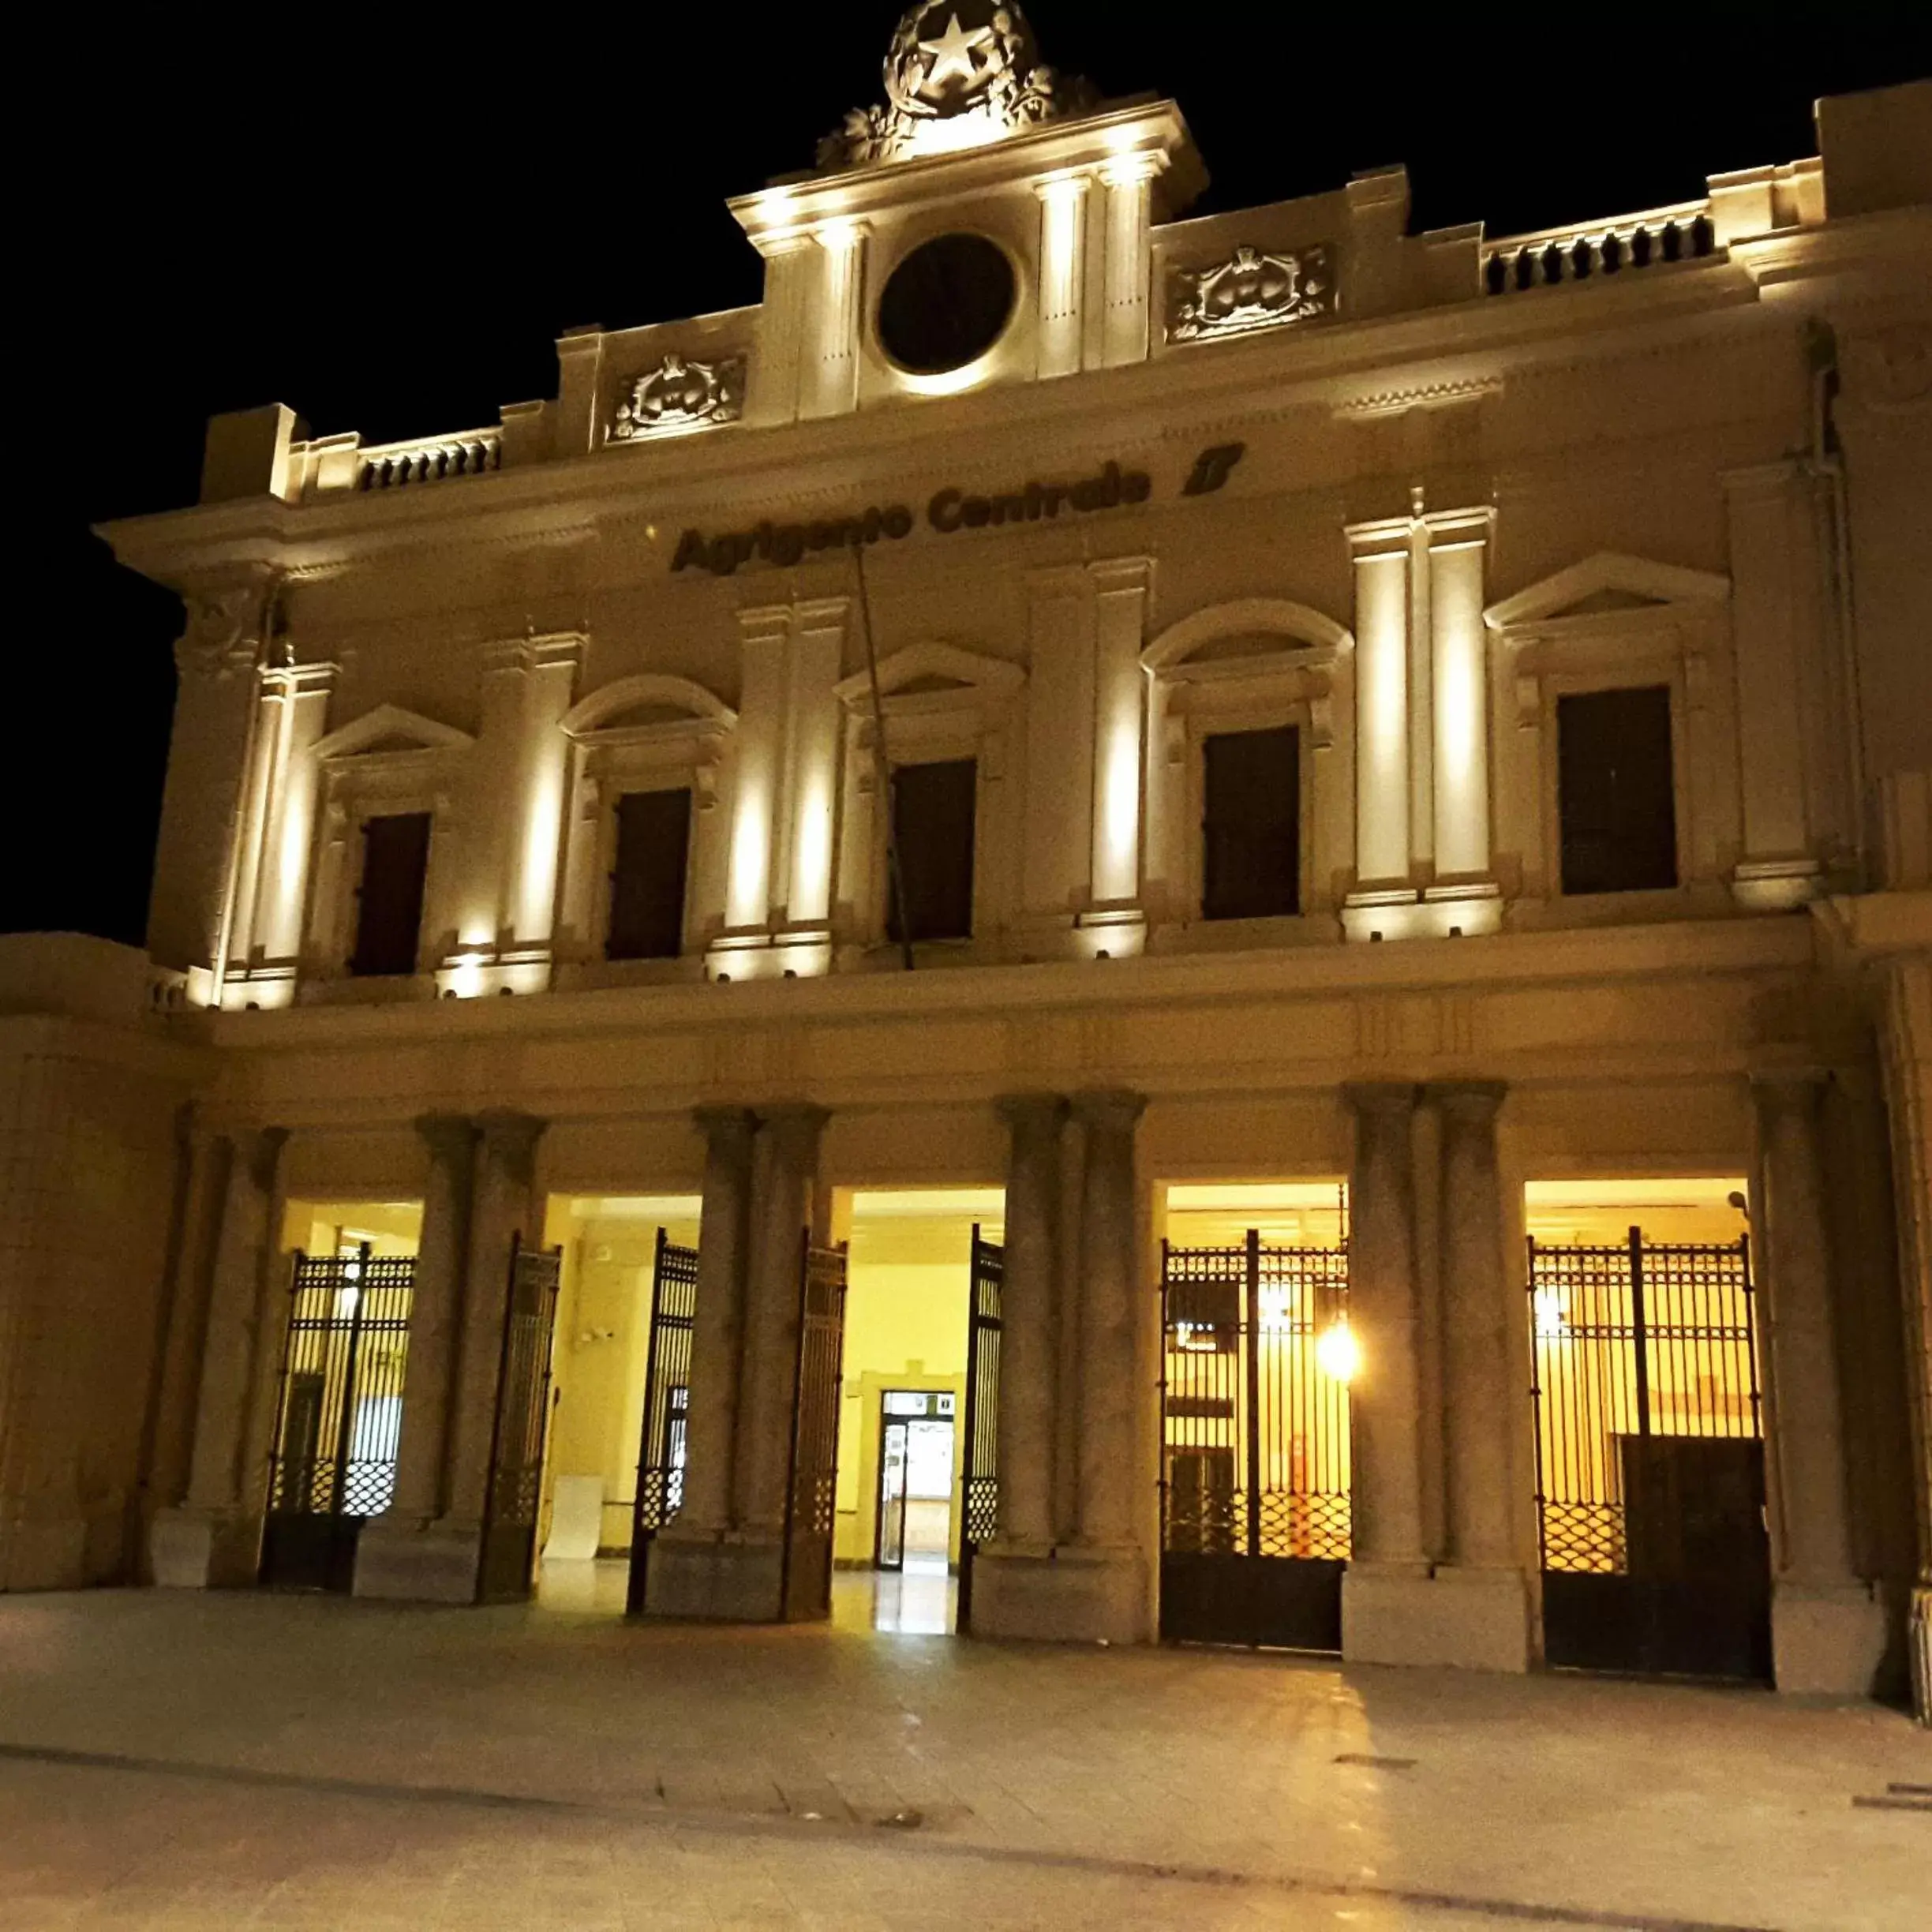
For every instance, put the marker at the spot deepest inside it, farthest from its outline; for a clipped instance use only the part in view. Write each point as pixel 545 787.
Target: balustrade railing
pixel 395 464
pixel 1543 260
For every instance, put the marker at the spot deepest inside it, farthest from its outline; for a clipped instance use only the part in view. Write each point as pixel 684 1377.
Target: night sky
pixel 385 219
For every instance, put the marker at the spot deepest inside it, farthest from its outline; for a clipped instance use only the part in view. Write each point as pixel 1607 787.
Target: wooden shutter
pixel 933 812
pixel 1251 824
pixel 647 880
pixel 1616 802
pixel 395 862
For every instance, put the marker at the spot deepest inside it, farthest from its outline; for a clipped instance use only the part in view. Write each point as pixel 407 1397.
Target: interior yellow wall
pixel 602 1343
pixel 319 1227
pixel 905 1327
pixel 1292 1214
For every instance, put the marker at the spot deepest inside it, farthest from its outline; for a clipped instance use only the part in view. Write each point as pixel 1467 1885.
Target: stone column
pixel 829 384
pixel 1062 270
pixel 1382 777
pixel 695 1567
pixel 530 881
pixel 503 1205
pixel 1459 697
pixel 1129 185
pixel 783 1164
pixel 1483 1613
pixel 1109 1594
pixel 212 1540
pixel 1028 1378
pixel 1827 1628
pixel 1385 1601
pixel 391 1553
pixel 718 1332
pixel 1119 604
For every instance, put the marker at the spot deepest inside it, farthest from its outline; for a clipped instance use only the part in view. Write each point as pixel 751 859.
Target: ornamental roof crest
pixel 959 73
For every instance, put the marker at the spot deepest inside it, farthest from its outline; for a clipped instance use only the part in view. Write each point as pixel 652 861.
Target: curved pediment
pixel 1262 629
pixel 1608 582
pixel 648 698
pixel 939 671
pixel 390 728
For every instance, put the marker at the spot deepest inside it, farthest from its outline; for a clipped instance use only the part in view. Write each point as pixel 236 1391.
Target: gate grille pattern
pixel 342 1385
pixel 667 1402
pixel 813 1494
pixel 1256 1455
pixel 979 1478
pixel 1633 1340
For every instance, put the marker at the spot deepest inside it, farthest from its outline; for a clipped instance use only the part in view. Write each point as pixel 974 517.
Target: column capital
pixel 509 1137
pixel 1032 1113
pixel 449 1135
pixel 1108 1107
pixel 1475 1101
pixel 797 1122
pixel 258 1150
pixel 724 1127
pixel 1782 1090
pixel 1379 1096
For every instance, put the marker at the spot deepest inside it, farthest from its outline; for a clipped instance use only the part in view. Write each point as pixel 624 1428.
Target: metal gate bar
pixel 339 1414
pixel 1649 1456
pixel 667 1403
pixel 980 1476
pixel 508 1564
pixel 1255 1466
pixel 805 1589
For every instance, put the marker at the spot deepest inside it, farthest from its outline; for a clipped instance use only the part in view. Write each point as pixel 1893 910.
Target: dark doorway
pixel 933 807
pixel 1251 824
pixel 340 1419
pixel 1650 1489
pixel 1616 800
pixel 389 899
pixel 1255 1496
pixel 647 877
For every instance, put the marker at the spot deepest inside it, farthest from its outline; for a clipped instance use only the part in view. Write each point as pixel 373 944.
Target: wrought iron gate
pixel 811 1496
pixel 1255 1456
pixel 340 1415
pixel 1650 1484
pixel 667 1406
pixel 509 1556
pixel 980 1469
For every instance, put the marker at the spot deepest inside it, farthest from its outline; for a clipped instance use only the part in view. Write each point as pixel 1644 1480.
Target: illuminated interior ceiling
pixel 1668 1208
pixel 1220 1214
pixel 660 1207
pixel 983 1204
pixel 959 74
pixel 318 1227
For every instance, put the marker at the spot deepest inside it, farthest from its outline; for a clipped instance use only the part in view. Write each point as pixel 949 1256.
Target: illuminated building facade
pixel 1416 745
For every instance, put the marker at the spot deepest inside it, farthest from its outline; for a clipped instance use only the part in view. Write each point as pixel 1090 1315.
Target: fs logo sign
pixel 1212 468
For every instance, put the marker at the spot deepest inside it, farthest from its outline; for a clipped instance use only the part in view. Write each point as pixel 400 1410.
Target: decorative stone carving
pixel 1893 368
pixel 225 630
pixel 677 394
pixel 959 73
pixel 1250 291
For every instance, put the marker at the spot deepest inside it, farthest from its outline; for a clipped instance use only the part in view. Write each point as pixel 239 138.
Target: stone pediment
pixel 390 729
pixel 1605 584
pixel 938 673
pixel 648 700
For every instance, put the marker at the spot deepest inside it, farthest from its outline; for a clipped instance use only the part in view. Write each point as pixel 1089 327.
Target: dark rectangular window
pixel 647 882
pixel 933 810
pixel 1251 824
pixel 395 862
pixel 1614 800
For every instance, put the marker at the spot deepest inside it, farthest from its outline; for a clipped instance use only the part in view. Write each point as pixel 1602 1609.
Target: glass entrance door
pixel 890 1553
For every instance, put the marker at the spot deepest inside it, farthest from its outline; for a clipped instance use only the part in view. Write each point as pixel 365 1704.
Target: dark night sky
pixel 383 217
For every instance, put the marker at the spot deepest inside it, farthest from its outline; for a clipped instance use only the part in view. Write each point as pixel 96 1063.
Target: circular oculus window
pixel 946 304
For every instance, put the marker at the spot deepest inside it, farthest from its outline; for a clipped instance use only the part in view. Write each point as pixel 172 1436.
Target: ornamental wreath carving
pixel 1251 289
pixel 677 394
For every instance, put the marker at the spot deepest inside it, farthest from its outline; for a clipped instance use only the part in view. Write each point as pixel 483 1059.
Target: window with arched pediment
pixel 1249 777
pixel 380 910
pixel 647 757
pixel 949 713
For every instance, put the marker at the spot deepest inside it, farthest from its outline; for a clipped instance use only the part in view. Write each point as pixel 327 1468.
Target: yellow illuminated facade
pixel 1384 755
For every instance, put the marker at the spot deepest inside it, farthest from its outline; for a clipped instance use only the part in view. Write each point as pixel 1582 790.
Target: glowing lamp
pixel 1338 1354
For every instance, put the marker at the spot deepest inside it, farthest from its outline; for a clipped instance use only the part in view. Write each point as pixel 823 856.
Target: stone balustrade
pixel 434 460
pixel 1670 234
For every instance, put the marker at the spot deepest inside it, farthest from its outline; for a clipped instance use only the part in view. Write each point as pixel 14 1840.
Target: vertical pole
pixel 345 1427
pixel 1536 1408
pixel 1167 1342
pixel 1252 1310
pixel 1639 1325
pixel 1751 1339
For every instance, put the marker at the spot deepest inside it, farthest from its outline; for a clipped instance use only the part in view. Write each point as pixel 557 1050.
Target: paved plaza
pixel 178 1760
